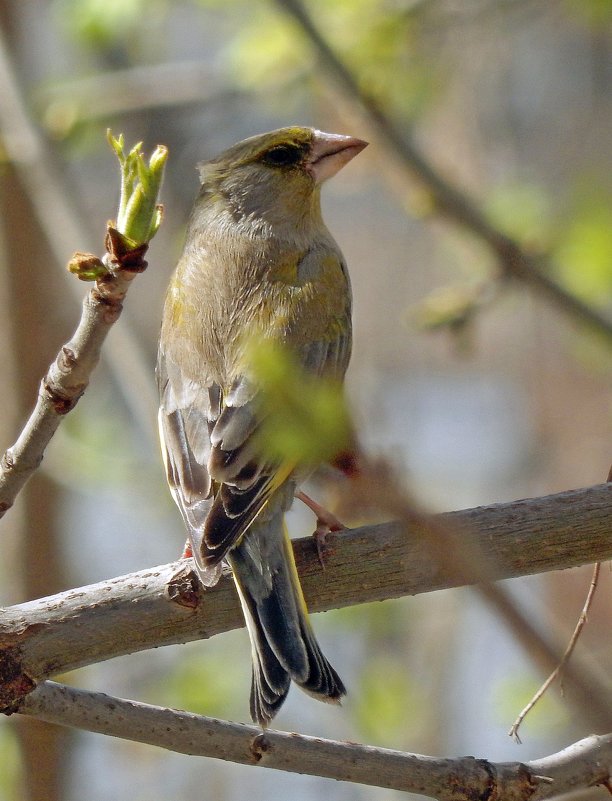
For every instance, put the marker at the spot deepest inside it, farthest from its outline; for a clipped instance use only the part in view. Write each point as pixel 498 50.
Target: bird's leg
pixel 326 522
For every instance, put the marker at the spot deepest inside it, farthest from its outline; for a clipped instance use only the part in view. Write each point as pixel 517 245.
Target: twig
pixel 514 729
pixel 62 221
pixel 583 764
pixel 162 606
pixel 68 376
pixel 450 201
pixel 457 551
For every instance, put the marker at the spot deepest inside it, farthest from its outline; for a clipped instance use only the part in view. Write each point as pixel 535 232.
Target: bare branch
pixel 61 388
pixel 166 605
pixel 450 201
pixel 64 383
pixel 583 764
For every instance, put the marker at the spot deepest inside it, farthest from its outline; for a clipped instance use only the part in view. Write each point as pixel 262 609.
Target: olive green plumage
pixel 258 263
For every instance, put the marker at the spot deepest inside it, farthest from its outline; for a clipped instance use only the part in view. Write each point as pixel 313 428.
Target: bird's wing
pixel 187 414
pixel 216 481
pixel 215 472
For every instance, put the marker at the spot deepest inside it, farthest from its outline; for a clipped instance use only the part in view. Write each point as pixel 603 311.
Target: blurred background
pixel 479 390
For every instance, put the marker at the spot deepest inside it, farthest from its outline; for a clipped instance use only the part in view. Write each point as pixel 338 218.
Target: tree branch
pixel 62 220
pixel 166 605
pixel 450 201
pixel 583 764
pixel 137 222
pixel 65 382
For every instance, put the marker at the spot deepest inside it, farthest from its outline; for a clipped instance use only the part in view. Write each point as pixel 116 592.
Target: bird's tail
pixel 283 644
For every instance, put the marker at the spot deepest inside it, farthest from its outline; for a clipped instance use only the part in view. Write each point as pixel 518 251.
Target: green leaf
pixel 305 419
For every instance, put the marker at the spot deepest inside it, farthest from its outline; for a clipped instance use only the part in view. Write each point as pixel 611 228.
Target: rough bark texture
pixel 583 764
pixel 165 605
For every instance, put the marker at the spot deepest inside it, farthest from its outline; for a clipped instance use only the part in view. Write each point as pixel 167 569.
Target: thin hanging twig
pixel 557 672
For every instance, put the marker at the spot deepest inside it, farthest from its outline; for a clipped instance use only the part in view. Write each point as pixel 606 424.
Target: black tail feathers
pixel 284 647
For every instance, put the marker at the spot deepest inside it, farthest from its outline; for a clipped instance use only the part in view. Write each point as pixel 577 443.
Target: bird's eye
pixel 283 155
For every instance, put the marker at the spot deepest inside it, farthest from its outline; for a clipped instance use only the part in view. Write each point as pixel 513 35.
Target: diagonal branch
pixel 449 200
pixel 583 764
pixel 138 219
pixel 65 381
pixel 62 220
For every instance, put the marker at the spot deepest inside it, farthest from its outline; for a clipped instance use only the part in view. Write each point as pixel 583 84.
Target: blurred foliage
pixel 381 619
pixel 583 255
pixel 95 449
pixel 209 679
pixel 451 307
pixel 388 703
pixel 387 54
pixel 304 417
pixel 104 23
pixel 514 692
pixel 598 13
pixel 523 211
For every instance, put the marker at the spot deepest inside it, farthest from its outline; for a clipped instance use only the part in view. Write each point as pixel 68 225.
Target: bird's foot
pixel 326 524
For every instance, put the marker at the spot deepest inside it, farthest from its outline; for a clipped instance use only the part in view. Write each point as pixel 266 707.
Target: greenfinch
pixel 258 263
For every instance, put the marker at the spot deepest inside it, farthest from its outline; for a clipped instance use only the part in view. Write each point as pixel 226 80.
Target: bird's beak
pixel 330 152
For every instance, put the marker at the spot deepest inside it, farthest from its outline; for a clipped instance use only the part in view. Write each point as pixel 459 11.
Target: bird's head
pixel 277 176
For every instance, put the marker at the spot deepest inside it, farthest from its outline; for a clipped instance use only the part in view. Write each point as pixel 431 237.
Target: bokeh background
pixel 478 389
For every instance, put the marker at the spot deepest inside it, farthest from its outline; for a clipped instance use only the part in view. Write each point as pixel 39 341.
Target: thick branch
pixel 583 764
pixel 143 610
pixel 513 259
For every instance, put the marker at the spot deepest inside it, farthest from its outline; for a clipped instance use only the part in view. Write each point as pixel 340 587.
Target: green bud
pixel 139 215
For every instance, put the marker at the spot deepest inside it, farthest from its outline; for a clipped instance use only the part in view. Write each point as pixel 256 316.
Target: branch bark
pixel 166 605
pixel 63 385
pixel 583 764
pixel 448 199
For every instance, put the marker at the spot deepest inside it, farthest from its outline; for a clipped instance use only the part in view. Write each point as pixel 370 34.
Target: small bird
pixel 258 263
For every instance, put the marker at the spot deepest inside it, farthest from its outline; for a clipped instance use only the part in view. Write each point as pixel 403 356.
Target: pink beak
pixel 330 152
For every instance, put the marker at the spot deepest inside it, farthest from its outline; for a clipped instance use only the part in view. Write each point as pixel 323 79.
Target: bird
pixel 258 262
